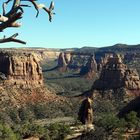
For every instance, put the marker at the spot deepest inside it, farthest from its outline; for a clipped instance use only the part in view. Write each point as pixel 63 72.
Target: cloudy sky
pixel 79 23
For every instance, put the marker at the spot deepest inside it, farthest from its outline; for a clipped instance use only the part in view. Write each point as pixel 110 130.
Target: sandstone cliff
pixel 62 65
pixel 64 60
pixel 103 60
pixel 89 71
pixel 20 69
pixel 115 75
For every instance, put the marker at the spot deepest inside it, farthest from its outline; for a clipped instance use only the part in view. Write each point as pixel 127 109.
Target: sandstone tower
pixel 115 75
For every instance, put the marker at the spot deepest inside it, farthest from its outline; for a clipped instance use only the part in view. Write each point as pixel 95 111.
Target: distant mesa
pixel 20 69
pixel 21 81
pixel 115 74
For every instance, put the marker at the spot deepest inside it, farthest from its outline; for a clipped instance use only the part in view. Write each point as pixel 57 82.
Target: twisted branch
pixel 10 18
pixel 12 39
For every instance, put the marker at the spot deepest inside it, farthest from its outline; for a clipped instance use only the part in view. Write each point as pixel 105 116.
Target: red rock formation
pixel 115 74
pixel 103 61
pixel 62 65
pixel 85 114
pixel 89 71
pixel 67 57
pixel 20 69
pixel 64 60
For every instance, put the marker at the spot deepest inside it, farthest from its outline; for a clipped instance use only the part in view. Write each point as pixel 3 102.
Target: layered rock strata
pixel 20 69
pixel 64 60
pixel 89 71
pixel 115 75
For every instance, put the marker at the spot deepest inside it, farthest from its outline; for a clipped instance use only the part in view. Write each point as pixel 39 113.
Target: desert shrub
pixel 13 114
pixel 108 122
pixel 25 114
pixel 103 107
pixel 27 129
pixel 98 134
pixel 54 131
pixel 58 131
pixel 133 122
pixel 40 110
pixel 6 133
pixel 135 138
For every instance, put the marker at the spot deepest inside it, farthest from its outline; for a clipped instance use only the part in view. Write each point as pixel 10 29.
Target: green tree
pixel 132 120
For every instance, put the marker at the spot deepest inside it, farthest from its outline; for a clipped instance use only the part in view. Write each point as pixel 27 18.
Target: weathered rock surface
pixel 103 61
pixel 85 114
pixel 89 71
pixel 115 74
pixel 20 69
pixel 40 54
pixel 64 60
pixel 62 65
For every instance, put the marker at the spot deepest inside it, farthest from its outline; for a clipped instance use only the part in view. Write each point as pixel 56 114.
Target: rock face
pixel 62 65
pixel 63 61
pixel 20 69
pixel 89 71
pixel 85 112
pixel 115 75
pixel 103 61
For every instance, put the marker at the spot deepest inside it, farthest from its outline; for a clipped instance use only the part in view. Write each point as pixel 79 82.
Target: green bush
pixel 108 122
pixel 6 133
pixel 58 131
pixel 132 120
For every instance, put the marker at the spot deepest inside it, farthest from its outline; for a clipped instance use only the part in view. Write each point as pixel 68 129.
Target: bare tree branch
pixel 48 10
pixel 3 18
pixel 12 39
pixel 10 18
pixel 4 6
pixel 10 21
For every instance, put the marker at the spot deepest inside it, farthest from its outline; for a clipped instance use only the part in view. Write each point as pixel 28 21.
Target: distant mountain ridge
pixel 115 48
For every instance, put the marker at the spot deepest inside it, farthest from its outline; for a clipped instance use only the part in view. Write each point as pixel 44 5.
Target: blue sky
pixel 79 23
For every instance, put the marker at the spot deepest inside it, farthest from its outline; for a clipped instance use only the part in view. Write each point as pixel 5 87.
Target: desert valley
pixel 67 89
pixel 42 93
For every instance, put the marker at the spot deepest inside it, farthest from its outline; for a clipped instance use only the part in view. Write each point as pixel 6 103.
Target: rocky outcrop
pixel 115 75
pixel 20 69
pixel 45 55
pixel 103 61
pixel 40 54
pixel 89 71
pixel 64 60
pixel 62 65
pixel 85 114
